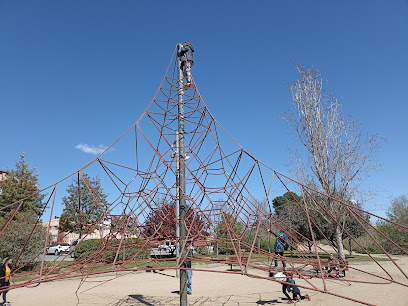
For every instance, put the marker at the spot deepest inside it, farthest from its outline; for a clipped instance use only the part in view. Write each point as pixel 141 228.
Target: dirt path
pixel 161 288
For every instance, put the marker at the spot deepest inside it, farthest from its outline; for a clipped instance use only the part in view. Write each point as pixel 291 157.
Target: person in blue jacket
pixel 186 54
pixel 281 245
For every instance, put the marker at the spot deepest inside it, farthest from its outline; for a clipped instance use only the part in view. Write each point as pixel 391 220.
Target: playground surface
pixel 161 288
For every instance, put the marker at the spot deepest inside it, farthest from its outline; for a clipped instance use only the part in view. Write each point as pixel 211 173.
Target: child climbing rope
pixel 281 245
pixel 186 54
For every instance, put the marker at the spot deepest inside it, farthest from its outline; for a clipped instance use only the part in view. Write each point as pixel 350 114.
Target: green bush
pixel 108 249
pixel 395 233
pixel 366 242
pixel 202 250
pixel 391 231
pixel 87 248
pixel 14 244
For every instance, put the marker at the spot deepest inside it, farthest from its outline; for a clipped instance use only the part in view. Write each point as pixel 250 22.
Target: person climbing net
pixel 186 54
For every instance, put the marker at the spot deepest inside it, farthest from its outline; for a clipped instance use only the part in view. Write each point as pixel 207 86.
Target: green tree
pixel 399 210
pixel 20 184
pixel 84 206
pixel 398 213
pixel 353 226
pixel 284 205
pixel 230 223
pixel 23 238
pixel 263 239
pixel 290 209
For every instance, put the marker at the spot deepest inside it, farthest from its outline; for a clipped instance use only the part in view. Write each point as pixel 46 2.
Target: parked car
pixel 167 246
pixel 73 245
pixel 57 248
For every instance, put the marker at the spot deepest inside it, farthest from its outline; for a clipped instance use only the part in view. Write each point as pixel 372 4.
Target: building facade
pixel 55 235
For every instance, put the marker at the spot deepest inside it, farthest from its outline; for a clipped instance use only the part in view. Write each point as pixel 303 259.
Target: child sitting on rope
pixel 281 245
pixel 286 288
pixel 333 264
pixel 295 291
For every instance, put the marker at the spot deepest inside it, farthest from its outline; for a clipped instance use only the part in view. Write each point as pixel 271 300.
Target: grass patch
pixel 48 265
pixel 62 267
pixel 296 256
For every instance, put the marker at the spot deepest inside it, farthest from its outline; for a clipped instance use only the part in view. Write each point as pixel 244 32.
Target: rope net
pixel 229 197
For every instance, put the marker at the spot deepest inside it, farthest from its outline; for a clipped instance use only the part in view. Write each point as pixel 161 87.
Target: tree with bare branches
pixel 337 155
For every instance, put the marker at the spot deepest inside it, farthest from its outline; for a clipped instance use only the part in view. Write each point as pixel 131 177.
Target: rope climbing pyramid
pixel 228 208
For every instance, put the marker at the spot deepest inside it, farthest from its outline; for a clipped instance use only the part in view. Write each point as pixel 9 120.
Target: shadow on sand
pixel 271 302
pixel 138 299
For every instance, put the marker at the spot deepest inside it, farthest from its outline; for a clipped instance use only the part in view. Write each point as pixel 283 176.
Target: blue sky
pixel 79 73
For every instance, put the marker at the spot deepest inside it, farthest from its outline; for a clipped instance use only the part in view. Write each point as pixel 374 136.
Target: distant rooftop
pixel 3 174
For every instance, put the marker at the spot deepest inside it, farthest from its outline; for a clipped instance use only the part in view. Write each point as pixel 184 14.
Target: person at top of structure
pixel 281 245
pixel 186 54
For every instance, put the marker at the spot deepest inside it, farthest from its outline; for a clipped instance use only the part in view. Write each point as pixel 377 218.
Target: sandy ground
pixel 161 288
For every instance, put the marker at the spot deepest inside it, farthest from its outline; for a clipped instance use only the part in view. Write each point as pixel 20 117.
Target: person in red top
pixel 5 271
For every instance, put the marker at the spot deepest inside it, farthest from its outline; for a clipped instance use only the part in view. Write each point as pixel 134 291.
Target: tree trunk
pixel 339 242
pixel 350 247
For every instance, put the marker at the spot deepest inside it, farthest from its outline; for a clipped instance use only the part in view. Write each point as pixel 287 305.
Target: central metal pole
pixel 182 184
pixel 177 201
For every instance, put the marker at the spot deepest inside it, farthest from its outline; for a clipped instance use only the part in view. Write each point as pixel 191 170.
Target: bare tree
pixel 338 155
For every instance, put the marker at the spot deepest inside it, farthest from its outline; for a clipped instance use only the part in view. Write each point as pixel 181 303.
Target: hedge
pixel 106 249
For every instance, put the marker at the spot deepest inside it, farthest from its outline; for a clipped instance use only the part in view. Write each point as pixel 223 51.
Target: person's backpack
pixel 284 240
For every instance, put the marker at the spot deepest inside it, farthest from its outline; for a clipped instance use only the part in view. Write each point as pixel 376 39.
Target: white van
pixel 167 246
